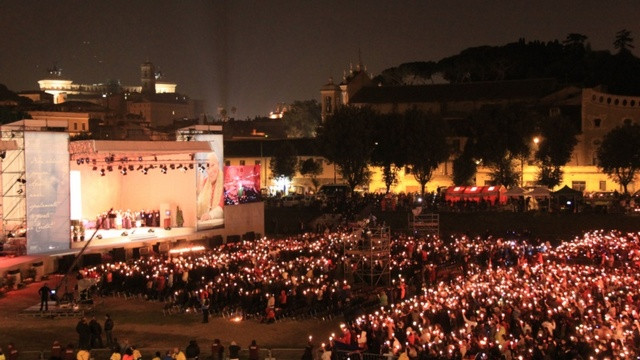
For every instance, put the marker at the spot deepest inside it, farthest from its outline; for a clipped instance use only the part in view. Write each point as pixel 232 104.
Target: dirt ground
pixel 144 325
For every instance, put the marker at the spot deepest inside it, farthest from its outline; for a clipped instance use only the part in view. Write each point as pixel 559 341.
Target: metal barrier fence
pixel 148 354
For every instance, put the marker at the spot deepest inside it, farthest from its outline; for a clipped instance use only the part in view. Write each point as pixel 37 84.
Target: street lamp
pixel 536 141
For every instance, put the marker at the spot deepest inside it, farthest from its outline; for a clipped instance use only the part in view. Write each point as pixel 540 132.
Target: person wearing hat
pixel 234 351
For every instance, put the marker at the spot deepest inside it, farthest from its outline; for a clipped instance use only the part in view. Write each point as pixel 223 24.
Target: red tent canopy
pixel 475 193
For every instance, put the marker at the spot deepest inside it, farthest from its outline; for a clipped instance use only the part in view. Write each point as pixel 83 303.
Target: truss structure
pixel 369 254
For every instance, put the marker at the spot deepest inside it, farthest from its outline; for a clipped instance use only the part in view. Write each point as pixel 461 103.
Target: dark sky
pixel 254 54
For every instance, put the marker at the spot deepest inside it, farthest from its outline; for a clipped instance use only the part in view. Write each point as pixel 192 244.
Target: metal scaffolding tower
pixel 370 255
pixel 423 224
pixel 13 180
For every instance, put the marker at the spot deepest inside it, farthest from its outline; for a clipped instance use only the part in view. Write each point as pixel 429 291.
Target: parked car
pixel 293 200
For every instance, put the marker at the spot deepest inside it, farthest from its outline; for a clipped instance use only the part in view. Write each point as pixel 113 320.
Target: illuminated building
pixel 593 110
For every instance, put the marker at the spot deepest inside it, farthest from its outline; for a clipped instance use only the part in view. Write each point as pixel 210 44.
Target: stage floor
pixel 115 237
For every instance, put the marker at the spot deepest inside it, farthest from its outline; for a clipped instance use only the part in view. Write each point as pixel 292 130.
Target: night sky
pixel 254 54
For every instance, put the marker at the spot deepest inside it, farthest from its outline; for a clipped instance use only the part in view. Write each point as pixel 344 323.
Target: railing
pixel 147 354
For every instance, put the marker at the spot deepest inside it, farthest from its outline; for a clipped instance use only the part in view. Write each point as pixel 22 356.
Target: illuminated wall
pixel 47 191
pixel 209 184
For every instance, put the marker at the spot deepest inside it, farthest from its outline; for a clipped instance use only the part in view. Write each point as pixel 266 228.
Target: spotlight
pixel 99 236
pixel 86 160
pixel 119 167
pixel 190 166
pixel 107 159
pixel 94 168
pixel 180 166
pixel 163 170
pixel 101 172
pixel 144 171
pixel 124 233
pixel 94 161
pixel 140 167
pixel 130 167
pixel 155 158
pixel 20 191
pixel 139 158
pixel 151 230
pixel 3 154
pixel 22 181
pixel 79 161
pixel 110 168
pixel 172 166
pixel 123 171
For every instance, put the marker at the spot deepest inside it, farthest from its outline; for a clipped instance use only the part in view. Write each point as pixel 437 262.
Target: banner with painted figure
pixel 47 191
pixel 210 184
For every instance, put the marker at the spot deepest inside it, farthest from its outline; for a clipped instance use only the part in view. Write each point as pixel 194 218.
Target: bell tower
pixel 330 99
pixel 148 78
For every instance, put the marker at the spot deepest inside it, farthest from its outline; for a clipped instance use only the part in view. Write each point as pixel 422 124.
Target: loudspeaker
pixel 144 251
pixel 64 263
pixel 249 236
pixel 119 255
pixel 233 238
pixel 163 247
pixel 215 241
pixel 91 260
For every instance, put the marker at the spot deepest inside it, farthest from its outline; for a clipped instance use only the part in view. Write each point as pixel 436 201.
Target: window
pixel 257 162
pixel 603 185
pixel 227 163
pixel 241 162
pixel 327 104
pixel 75 126
pixel 597 122
pixel 83 127
pixel 578 185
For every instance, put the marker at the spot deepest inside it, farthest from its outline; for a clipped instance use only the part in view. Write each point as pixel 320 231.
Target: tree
pixel 311 168
pixel 426 144
pixel 501 138
pixel 284 162
pixel 623 41
pixel 346 139
pixel 389 147
pixel 575 40
pixel 555 146
pixel 302 119
pixel 619 154
pixel 464 170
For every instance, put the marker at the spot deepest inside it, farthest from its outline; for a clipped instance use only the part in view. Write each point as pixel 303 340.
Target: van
pixel 334 191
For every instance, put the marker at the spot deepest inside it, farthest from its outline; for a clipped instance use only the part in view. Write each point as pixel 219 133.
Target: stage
pixel 136 237
pixel 9 264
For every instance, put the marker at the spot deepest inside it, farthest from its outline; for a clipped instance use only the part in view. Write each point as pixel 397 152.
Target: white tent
pixel 515 191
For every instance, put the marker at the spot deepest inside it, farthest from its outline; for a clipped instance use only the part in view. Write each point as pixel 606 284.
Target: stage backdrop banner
pixel 210 184
pixel 241 184
pixel 47 191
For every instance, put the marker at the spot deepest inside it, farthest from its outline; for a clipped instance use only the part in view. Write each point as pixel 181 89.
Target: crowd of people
pixel 548 306
pixel 458 298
